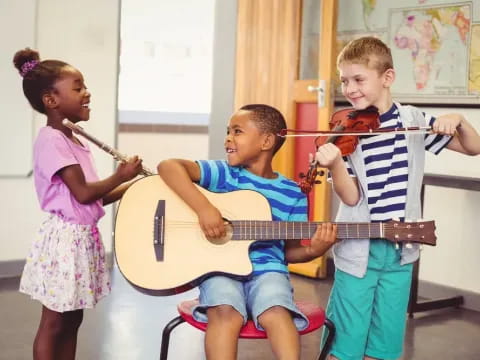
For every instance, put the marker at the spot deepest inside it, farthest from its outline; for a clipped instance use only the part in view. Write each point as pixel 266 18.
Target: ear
pixel 49 100
pixel 268 141
pixel 388 78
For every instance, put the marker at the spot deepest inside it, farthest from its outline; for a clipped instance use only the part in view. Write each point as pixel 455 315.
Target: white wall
pixel 84 34
pixel 155 147
pixel 454 261
pixel 13 100
pixel 88 39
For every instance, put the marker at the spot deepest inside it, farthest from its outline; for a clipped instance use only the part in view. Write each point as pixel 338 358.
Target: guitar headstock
pixel 421 232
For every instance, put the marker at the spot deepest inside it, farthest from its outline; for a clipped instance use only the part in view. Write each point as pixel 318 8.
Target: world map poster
pixel 435 45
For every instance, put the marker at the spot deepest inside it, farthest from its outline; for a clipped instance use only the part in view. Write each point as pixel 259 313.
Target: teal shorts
pixel 369 313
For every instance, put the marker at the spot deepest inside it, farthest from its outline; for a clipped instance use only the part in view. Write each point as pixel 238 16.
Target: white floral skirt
pixel 66 269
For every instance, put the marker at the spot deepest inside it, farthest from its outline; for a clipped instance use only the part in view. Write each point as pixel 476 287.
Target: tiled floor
pixel 128 325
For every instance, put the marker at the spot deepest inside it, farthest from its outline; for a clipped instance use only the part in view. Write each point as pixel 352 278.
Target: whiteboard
pixel 17 31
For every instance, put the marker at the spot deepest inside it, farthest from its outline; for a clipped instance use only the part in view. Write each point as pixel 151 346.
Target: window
pixel 166 61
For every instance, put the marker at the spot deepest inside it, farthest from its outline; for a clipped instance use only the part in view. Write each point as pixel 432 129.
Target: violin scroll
pixel 310 178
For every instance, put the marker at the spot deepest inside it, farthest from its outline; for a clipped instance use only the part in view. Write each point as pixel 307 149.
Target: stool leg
pixel 166 336
pixel 328 342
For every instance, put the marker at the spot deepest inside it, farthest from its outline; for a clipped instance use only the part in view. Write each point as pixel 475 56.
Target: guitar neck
pixel 273 230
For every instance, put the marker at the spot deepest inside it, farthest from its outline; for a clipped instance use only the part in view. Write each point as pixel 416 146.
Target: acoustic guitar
pixel 161 249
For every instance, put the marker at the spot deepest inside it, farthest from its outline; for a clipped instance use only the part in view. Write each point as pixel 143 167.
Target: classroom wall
pixel 155 147
pixel 84 34
pixel 454 261
pixel 89 40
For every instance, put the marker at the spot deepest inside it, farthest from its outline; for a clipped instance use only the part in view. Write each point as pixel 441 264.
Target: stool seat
pixel 314 313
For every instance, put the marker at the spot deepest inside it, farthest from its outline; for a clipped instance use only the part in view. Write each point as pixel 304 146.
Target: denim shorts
pixel 249 297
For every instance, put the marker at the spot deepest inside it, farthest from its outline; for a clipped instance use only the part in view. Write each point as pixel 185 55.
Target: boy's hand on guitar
pixel 322 239
pixel 128 170
pixel 211 222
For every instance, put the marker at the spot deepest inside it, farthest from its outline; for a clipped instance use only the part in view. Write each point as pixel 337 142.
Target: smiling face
pixel 245 144
pixel 364 86
pixel 71 95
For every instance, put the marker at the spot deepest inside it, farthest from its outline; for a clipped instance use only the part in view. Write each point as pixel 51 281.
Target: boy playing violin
pixel 379 181
pixel 267 296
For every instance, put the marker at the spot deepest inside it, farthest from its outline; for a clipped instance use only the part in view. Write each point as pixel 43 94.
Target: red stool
pixel 315 314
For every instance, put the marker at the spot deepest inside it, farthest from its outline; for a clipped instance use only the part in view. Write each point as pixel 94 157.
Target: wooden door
pixel 314 105
pixel 269 36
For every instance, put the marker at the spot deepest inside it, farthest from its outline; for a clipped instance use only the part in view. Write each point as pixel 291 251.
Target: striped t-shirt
pixel 286 200
pixel 386 165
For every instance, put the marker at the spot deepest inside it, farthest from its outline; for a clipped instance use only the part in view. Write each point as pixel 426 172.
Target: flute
pixel 116 155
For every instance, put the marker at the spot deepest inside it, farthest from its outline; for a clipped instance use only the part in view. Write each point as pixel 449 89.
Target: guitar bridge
pixel 159 230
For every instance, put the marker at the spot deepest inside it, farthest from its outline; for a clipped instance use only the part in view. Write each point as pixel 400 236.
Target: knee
pixel 54 326
pixel 75 320
pixel 65 323
pixel 224 314
pixel 272 315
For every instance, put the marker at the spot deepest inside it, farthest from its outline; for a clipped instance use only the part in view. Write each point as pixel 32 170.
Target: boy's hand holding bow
pixel 447 124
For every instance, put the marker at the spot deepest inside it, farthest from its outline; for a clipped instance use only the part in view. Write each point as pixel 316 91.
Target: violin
pixel 346 126
pixel 345 121
pixel 348 121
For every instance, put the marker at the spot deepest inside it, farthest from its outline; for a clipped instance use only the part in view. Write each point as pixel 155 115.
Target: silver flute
pixel 116 155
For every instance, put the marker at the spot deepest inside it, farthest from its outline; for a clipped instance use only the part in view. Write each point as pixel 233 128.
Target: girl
pixel 66 268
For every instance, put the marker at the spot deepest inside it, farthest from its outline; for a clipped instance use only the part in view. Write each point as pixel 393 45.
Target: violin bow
pixel 309 133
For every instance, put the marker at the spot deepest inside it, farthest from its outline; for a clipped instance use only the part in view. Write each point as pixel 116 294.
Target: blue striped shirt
pixel 386 164
pixel 286 200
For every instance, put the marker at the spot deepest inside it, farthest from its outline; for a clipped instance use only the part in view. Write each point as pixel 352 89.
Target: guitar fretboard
pixel 272 230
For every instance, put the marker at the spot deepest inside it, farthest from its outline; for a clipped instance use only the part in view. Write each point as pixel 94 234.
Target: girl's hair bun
pixel 23 56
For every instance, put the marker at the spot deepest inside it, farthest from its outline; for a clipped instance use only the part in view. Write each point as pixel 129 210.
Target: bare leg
pixel 221 337
pixel 282 333
pixel 56 335
pixel 68 346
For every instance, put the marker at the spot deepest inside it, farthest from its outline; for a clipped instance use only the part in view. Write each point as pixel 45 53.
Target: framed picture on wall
pixel 435 46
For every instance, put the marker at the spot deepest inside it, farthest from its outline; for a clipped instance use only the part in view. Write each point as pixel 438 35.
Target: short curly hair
pixel 268 120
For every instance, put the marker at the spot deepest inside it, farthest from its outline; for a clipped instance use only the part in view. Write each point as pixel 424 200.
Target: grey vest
pixel 351 256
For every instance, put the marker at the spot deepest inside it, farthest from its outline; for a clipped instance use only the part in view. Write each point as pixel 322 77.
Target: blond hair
pixel 368 51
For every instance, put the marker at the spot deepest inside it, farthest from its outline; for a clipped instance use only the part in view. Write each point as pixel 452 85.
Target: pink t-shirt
pixel 52 152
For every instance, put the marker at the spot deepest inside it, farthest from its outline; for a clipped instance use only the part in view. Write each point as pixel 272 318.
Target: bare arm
pixel 88 192
pixel 179 175
pixel 325 236
pixel 117 193
pixel 344 185
pixel 465 138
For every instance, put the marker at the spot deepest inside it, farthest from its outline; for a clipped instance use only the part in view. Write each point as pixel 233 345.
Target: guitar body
pixel 188 256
